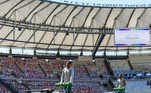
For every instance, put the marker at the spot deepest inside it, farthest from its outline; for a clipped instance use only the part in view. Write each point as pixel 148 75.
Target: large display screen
pixel 132 37
pixel 106 3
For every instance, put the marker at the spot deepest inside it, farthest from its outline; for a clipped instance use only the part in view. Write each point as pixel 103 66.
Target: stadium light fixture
pixel 10 51
pixel 19 28
pixel 93 60
pixel 35 52
pixel 67 33
pixel 58 54
pixel 46 60
pixel 23 59
pixel 150 26
pixel 81 54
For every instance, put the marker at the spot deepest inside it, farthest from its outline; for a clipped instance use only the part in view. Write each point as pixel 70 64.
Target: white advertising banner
pixel 132 37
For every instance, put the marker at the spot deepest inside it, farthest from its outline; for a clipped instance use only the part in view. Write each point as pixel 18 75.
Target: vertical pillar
pixel 107 65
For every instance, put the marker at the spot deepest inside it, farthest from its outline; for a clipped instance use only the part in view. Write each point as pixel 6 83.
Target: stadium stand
pixel 3 89
pixel 140 62
pixel 37 37
pixel 28 74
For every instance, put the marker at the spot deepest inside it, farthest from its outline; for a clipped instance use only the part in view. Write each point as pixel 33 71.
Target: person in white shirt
pixel 121 82
pixel 67 76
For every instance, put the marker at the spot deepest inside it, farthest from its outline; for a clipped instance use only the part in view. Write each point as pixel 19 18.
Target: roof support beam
pixel 90 29
pixel 116 18
pixel 13 7
pixel 82 26
pixel 108 67
pixel 106 23
pixel 131 16
pixel 130 65
pixel 34 32
pixel 62 41
pixel 44 22
pixel 24 21
pixel 85 40
pixel 53 17
pixel 69 15
pixel 49 28
pixel 98 44
pixel 39 11
pixel 63 26
pixel 102 36
pixel 54 36
pixel 128 61
pixel 7 35
pixel 69 25
pixel 4 2
pixel 50 23
pixel 56 7
pixel 142 14
pixel 32 11
pixel 20 8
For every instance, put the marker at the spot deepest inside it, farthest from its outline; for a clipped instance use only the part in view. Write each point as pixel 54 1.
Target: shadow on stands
pixel 8 86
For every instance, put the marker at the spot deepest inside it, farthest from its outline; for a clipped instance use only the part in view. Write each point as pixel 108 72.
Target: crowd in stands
pixel 4 90
pixel 29 74
pixel 121 67
pixel 37 74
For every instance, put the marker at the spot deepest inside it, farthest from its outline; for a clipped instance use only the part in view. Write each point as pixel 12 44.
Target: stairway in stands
pixel 8 86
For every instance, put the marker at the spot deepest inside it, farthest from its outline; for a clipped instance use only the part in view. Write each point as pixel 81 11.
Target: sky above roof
pixel 133 3
pixel 111 1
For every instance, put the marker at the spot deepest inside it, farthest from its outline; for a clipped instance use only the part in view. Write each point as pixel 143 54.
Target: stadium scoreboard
pixel 132 37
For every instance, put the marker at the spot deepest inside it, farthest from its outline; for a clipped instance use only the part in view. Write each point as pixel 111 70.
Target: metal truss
pixel 50 28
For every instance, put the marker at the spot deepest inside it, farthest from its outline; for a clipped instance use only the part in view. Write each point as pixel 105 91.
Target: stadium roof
pixel 47 25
